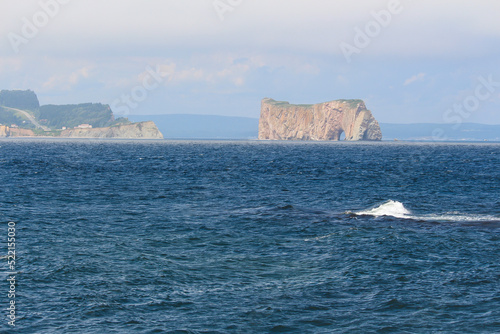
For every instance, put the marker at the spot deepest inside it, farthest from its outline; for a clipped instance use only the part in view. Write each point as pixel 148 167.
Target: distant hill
pixel 178 126
pixel 439 132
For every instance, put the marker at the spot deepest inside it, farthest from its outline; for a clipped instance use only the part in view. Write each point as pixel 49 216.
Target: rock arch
pixel 281 120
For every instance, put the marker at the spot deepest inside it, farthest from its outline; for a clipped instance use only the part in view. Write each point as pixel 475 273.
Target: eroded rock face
pixel 324 121
pixel 6 131
pixel 142 130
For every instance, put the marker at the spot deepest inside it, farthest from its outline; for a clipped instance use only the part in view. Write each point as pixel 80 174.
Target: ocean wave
pixel 389 208
pixel 397 209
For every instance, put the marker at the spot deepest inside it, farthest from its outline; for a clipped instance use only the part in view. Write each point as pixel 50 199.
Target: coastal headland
pixel 22 116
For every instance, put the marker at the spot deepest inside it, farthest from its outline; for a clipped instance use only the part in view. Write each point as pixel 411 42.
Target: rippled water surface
pixel 252 237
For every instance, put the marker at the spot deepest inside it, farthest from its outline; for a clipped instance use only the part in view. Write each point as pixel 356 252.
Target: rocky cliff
pixel 142 130
pixel 6 131
pixel 324 121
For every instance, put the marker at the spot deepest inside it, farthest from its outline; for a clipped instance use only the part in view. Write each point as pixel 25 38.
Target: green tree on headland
pixel 71 115
pixel 31 115
pixel 19 99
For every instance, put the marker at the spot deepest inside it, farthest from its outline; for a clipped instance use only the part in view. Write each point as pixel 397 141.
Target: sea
pixel 249 237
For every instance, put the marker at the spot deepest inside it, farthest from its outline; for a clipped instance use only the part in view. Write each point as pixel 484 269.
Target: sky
pixel 410 61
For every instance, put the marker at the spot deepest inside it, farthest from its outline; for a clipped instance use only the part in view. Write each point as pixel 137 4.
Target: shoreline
pixel 253 141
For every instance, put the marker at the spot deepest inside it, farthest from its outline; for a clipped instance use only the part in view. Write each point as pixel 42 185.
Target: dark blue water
pixel 246 237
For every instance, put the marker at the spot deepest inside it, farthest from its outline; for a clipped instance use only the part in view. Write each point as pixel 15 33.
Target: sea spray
pixel 389 208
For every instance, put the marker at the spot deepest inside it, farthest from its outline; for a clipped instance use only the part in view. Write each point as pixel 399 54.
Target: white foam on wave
pixel 458 217
pixel 398 210
pixel 389 208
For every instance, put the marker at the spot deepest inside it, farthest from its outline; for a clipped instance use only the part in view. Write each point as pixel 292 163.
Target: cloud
pixel 67 81
pixel 183 72
pixel 316 26
pixel 232 68
pixel 96 50
pixel 417 77
pixel 10 64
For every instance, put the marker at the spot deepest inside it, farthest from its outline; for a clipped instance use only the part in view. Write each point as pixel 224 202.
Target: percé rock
pixel 142 130
pixel 323 121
